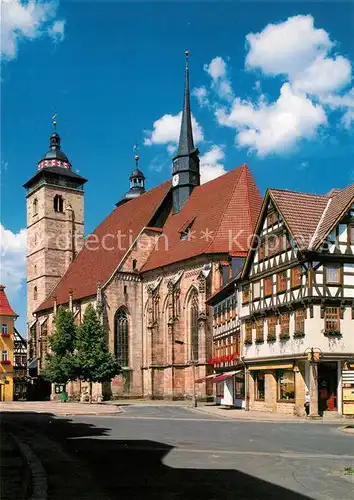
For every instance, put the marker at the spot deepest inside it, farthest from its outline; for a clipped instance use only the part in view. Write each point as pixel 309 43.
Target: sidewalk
pixel 260 416
pixel 59 408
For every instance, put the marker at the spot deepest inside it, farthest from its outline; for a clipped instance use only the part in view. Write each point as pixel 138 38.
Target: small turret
pixel 137 183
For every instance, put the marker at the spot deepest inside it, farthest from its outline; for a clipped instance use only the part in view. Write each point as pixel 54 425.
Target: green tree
pixel 60 364
pixel 95 362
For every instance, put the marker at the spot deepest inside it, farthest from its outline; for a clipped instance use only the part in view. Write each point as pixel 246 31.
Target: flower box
pixel 259 341
pixel 248 342
pixel 299 335
pixel 6 362
pixel 5 335
pixel 271 338
pixel 283 337
pixel 332 333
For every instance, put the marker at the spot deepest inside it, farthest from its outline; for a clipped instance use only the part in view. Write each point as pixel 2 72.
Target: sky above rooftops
pixel 271 86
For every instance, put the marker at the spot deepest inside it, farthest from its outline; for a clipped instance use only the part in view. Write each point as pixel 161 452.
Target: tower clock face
pixel 175 180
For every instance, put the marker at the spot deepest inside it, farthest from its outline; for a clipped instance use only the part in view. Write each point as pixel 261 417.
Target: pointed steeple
pixel 186 173
pixel 137 182
pixel 186 143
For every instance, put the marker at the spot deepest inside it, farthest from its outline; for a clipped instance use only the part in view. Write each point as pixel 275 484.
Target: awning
pixel 32 323
pixel 278 366
pixel 224 376
pixel 43 320
pixel 203 379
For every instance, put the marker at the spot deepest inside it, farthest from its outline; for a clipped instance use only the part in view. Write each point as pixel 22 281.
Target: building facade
pixel 7 320
pixel 296 303
pixel 20 367
pixel 148 268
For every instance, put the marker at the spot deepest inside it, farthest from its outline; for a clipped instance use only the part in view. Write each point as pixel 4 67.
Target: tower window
pixel 35 207
pixel 35 269
pixel 35 293
pixel 134 264
pixel 58 203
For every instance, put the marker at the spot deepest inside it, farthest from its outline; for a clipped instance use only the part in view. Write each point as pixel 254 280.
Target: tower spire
pixel 186 143
pixel 186 172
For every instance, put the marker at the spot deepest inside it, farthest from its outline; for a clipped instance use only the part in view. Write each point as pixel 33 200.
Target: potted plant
pixel 271 337
pixel 284 336
pixel 298 334
pixel 332 333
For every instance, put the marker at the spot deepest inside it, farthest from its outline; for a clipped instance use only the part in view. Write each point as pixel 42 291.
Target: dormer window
pixel 58 203
pixel 186 232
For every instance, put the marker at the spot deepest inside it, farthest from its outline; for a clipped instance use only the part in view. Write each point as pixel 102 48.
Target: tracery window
pixel 194 327
pixel 122 337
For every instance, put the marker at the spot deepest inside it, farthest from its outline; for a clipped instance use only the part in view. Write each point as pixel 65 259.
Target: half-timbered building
pixel 296 300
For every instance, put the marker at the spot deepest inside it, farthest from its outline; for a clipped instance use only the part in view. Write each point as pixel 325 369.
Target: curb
pixel 38 479
pixel 347 429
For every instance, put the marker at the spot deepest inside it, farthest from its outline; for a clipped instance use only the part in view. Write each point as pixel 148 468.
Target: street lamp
pixel 192 363
pixel 314 354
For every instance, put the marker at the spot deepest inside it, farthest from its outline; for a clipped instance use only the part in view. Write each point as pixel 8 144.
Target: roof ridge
pixel 239 170
pixel 298 192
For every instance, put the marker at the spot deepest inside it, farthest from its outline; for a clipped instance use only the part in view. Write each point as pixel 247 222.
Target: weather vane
pixel 54 120
pixel 136 153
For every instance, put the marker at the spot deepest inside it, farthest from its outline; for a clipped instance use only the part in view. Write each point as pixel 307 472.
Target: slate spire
pixel 186 143
pixel 186 172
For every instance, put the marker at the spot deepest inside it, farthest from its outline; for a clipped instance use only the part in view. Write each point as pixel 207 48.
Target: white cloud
pixel 13 259
pixel 287 47
pixel 210 166
pixel 275 127
pixel 201 94
pixel 56 31
pixel 26 20
pixel 217 70
pixel 166 130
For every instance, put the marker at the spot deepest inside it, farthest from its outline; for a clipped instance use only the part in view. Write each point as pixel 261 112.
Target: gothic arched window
pixel 58 203
pixel 121 335
pixel 194 327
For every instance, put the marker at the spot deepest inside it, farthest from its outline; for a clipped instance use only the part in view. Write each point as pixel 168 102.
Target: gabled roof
pixel 309 217
pixel 301 212
pixel 97 262
pixel 223 211
pixel 5 308
pixel 338 205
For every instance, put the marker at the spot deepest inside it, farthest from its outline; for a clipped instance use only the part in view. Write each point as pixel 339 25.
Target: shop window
pixel 284 323
pixel 286 385
pixel 259 386
pixel 296 276
pixel 245 294
pixel 268 286
pixel 4 329
pixel 300 320
pixel 332 318
pixel 333 274
pixel 282 281
pixel 219 389
pixel 256 290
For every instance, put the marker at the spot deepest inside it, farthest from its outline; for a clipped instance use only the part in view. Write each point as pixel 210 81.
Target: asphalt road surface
pixel 169 452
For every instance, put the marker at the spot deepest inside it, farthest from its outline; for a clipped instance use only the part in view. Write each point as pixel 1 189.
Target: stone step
pixel 331 415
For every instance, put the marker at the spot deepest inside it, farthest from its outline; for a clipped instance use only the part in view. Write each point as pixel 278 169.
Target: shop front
pixel 229 387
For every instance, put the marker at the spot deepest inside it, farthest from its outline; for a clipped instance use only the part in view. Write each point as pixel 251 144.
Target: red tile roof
pixel 301 211
pixel 97 261
pixel 5 308
pixel 223 211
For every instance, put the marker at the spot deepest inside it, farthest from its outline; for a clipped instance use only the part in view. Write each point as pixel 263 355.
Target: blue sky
pixel 272 88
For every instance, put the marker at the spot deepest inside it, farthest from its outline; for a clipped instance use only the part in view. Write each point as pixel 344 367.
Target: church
pixel 148 268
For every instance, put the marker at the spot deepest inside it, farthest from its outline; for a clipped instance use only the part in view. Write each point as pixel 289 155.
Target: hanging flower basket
pixel 299 335
pixel 248 342
pixel 332 333
pixel 271 338
pixel 284 337
pixel 259 341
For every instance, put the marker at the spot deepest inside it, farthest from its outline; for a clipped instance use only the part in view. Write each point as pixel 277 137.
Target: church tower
pixel 186 172
pixel 55 222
